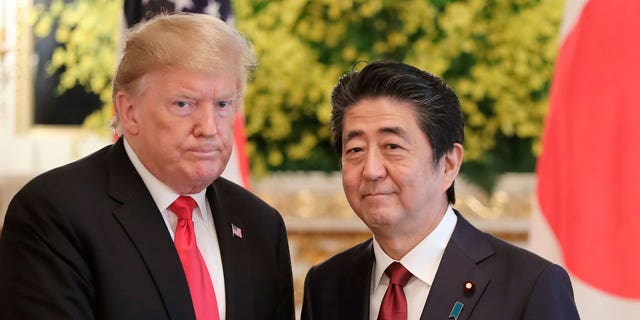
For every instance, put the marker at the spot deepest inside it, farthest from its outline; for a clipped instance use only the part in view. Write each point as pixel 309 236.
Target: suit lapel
pixel 356 285
pixel 141 220
pixel 233 252
pixel 467 247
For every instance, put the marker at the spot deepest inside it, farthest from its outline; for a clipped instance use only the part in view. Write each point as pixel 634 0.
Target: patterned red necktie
pixel 394 302
pixel 203 296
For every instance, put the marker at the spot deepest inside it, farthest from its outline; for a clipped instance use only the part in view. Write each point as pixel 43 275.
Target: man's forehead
pixel 382 130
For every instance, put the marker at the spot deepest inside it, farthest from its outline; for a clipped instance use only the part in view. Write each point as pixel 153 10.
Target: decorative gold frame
pixel 23 73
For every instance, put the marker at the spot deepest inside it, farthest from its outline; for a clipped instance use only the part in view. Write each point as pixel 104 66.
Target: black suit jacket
pixel 86 241
pixel 510 283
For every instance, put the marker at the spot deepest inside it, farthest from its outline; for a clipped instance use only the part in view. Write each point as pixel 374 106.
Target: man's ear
pixel 452 163
pixel 126 113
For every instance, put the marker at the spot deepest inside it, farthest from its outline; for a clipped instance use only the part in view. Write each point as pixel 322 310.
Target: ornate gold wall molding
pixel 320 195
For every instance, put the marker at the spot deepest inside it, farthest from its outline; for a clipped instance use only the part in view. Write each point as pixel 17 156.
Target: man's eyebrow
pixel 184 96
pixel 349 135
pixel 399 131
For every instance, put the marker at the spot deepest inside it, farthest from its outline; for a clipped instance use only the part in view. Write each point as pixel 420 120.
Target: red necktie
pixel 394 303
pixel 203 296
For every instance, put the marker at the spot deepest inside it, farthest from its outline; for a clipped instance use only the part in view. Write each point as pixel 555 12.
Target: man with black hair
pixel 398 132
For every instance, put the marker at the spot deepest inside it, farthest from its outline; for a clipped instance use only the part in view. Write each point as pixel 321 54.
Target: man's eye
pixel 354 150
pixel 224 104
pixel 181 104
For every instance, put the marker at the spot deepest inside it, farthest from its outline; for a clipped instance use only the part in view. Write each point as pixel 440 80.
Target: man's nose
pixel 374 166
pixel 205 121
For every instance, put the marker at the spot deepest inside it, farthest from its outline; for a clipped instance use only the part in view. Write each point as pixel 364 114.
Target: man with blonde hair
pixel 147 228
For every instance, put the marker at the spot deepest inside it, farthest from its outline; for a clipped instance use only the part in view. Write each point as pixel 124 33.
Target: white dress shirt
pixel 206 237
pixel 422 261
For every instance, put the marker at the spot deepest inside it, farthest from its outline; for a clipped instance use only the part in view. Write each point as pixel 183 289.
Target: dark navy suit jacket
pixel 86 241
pixel 510 283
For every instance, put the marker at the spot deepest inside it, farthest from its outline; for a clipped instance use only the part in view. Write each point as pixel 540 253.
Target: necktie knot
pixel 394 302
pixel 183 207
pixel 398 274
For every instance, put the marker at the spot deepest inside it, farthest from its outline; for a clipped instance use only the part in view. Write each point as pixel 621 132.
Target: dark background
pixel 51 107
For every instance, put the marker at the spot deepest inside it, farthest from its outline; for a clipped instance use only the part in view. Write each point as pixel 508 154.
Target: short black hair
pixel 437 107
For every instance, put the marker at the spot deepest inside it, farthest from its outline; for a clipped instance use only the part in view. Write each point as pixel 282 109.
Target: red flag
pixel 589 169
pixel 238 169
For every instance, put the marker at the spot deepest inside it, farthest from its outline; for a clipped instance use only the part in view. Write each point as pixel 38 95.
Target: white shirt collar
pixel 423 260
pixel 161 193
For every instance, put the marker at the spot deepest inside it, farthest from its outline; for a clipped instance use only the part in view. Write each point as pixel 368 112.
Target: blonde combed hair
pixel 182 41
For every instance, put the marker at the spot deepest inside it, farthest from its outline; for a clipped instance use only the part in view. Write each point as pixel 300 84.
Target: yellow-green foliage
pixel 89 30
pixel 513 44
pixel 496 54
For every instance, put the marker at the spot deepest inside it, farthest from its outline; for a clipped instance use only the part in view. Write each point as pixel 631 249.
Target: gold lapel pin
pixel 468 288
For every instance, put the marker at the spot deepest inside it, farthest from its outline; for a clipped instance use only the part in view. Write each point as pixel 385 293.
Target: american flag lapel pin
pixel 237 232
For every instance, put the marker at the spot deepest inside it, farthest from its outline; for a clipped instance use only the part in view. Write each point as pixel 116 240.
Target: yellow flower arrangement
pixel 497 55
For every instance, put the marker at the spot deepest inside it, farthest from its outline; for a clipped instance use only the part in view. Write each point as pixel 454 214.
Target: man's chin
pixel 197 182
pixel 379 218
